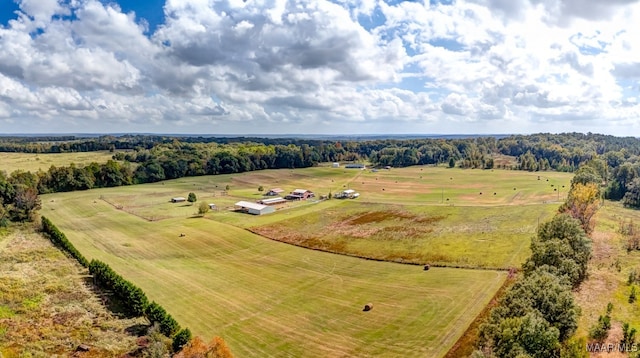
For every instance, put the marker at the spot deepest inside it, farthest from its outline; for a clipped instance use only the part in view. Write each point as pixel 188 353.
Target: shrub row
pixel 135 300
pixel 60 240
pixel 538 315
pixel 156 314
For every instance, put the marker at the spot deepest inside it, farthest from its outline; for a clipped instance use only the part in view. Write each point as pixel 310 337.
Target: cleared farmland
pixel 34 162
pixel 267 298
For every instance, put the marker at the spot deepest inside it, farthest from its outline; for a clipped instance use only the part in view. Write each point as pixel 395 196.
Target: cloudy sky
pixel 320 67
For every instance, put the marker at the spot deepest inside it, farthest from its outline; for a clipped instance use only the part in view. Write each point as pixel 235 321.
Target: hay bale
pixel 83 348
pixel 368 307
pixel 427 267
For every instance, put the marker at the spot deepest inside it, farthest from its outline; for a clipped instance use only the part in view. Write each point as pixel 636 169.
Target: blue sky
pixel 286 66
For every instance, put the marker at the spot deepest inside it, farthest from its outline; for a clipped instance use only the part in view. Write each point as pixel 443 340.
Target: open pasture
pixel 34 162
pixel 454 186
pixel 267 298
pixel 468 236
pixel 472 230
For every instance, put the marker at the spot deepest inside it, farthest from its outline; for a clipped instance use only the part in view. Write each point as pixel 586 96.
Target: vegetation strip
pixel 538 315
pixel 134 299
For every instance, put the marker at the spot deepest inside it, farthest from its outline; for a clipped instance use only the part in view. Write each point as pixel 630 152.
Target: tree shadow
pixel 117 307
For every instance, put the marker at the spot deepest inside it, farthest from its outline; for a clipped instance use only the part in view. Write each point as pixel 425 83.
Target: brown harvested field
pixel 46 307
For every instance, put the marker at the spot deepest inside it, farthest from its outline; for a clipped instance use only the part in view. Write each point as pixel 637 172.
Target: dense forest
pixel 613 162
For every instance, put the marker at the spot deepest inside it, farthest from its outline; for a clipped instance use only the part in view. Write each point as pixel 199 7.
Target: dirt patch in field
pixel 335 231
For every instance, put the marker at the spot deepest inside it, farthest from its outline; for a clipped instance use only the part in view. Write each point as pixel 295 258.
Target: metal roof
pixel 250 205
pixel 272 200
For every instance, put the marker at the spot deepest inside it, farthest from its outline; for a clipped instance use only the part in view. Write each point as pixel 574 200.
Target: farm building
pixel 335 165
pixel 254 208
pixel 300 194
pixel 272 201
pixel 274 192
pixel 212 206
pixel 178 199
pixel 347 194
pixel 355 166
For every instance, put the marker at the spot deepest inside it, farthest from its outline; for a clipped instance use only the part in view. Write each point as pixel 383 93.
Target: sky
pixel 320 67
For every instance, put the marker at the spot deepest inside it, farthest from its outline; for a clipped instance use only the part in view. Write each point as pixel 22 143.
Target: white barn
pixel 254 208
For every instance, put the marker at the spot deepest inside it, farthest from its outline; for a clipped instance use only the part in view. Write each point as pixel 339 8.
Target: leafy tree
pixel 156 314
pixel 536 312
pixel 25 205
pixel 217 348
pixel 7 191
pixel 586 175
pixel 600 331
pixel 628 335
pixel 631 198
pixel 158 346
pixel 181 339
pixel 192 198
pixel 203 208
pixel 527 336
pixel 261 188
pixel 582 203
pixel 561 247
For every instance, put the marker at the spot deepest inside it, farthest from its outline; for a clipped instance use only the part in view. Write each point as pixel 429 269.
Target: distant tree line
pixel 143 159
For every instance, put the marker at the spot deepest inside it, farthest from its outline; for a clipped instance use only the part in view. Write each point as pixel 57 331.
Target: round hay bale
pixel 427 267
pixel 368 307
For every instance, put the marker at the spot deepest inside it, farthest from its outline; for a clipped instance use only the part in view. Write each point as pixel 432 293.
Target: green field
pixel 267 298
pixel 34 162
pixel 609 271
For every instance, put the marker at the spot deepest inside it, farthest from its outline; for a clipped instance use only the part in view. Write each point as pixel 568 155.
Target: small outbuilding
pixel 347 194
pixel 355 166
pixel 300 194
pixel 254 208
pixel 272 201
pixel 178 199
pixel 335 165
pixel 212 206
pixel 274 192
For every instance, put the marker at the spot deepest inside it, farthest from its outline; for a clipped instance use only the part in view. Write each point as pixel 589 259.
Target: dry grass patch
pixel 47 309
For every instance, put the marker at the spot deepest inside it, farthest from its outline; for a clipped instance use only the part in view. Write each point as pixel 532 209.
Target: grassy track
pixel 609 270
pixel 271 299
pixel 43 161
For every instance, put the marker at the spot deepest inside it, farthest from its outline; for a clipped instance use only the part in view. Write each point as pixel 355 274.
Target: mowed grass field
pixel 34 162
pixel 272 299
pixel 266 298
